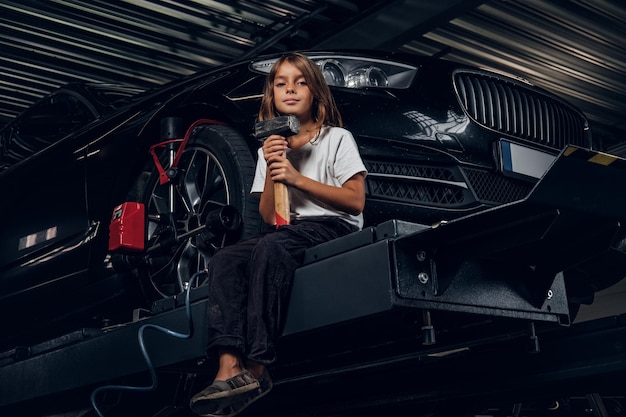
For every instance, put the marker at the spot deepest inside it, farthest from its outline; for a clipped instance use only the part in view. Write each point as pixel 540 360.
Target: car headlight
pixel 367 77
pixel 333 72
pixel 355 72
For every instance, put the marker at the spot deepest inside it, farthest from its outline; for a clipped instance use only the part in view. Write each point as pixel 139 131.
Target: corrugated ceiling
pixel 575 48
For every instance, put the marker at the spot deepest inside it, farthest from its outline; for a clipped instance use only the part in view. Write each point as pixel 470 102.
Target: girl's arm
pixel 350 197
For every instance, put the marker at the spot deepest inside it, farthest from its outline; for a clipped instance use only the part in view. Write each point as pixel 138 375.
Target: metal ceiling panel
pixel 574 48
pixel 47 43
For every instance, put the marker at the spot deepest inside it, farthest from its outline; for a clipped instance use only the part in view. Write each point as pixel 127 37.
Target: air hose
pixel 144 352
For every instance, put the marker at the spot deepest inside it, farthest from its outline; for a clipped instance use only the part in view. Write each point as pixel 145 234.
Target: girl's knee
pixel 272 243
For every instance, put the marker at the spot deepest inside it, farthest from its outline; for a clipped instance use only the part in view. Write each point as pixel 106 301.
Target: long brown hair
pixel 324 111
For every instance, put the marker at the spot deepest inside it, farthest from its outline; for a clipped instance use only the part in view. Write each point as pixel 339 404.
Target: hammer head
pixel 283 125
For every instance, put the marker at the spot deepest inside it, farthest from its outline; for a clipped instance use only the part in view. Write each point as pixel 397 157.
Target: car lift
pixel 505 264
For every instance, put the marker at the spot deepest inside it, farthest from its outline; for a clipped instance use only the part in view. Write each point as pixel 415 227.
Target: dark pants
pixel 249 284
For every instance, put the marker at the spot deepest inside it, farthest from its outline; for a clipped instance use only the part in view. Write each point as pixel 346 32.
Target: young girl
pixel 249 282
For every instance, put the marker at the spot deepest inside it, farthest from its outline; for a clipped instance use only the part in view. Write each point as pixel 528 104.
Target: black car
pixel 57 115
pixel 118 198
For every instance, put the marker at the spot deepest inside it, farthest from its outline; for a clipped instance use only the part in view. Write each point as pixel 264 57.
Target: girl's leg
pixel 230 364
pixel 227 302
pixel 272 267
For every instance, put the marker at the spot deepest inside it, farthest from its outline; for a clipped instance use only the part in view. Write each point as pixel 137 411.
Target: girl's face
pixel 291 92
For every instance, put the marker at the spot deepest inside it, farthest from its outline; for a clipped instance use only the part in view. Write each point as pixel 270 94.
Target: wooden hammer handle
pixel 281 203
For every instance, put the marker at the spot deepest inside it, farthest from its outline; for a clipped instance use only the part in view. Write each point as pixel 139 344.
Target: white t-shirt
pixel 332 158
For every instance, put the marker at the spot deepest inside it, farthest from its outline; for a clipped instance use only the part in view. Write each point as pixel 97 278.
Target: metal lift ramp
pixel 510 261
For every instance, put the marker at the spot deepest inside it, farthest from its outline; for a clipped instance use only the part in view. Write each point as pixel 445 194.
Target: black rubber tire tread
pixel 231 143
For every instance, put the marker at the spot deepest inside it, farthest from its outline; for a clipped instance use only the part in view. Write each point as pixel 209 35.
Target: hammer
pixel 284 126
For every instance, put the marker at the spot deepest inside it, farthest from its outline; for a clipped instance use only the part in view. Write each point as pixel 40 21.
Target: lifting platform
pixel 506 266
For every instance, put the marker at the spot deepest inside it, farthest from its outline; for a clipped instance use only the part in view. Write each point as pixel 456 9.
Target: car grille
pixel 519 110
pixel 494 188
pixel 409 170
pixel 410 184
pixel 441 186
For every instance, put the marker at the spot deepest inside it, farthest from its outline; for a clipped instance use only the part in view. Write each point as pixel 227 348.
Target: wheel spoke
pixel 201 189
pixel 216 188
pixel 188 262
pixel 157 212
pixel 197 179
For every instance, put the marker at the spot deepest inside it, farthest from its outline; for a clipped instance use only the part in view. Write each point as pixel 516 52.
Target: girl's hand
pixel 274 145
pixel 281 170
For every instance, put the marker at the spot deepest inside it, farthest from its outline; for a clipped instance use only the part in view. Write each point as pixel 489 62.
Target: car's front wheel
pixel 207 205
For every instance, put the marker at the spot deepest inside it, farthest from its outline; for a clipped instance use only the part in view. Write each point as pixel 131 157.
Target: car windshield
pixel 356 72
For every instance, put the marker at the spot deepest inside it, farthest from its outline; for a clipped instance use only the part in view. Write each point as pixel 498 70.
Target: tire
pixel 215 174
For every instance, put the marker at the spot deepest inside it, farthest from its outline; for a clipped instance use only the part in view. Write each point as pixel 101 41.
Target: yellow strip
pixel 569 150
pixel 602 159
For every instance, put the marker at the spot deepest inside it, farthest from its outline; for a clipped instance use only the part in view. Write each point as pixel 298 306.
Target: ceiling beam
pixel 397 23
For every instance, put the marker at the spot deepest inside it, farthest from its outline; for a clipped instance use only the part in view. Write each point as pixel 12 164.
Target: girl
pixel 249 282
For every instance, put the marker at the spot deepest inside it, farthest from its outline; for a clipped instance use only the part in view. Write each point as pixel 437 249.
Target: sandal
pixel 219 394
pixel 241 402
